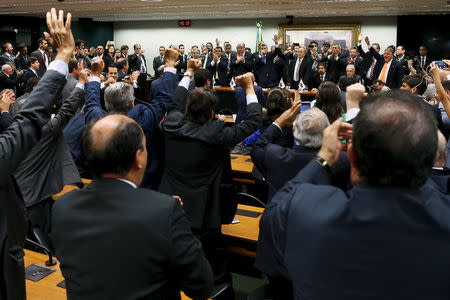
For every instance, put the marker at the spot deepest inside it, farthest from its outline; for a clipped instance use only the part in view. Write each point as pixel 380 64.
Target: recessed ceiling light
pixel 151 0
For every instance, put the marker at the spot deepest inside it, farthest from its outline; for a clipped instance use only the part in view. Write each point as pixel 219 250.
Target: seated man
pixel 364 244
pixel 117 241
pixel 280 164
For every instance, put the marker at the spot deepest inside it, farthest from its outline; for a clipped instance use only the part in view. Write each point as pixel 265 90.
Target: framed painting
pixel 344 34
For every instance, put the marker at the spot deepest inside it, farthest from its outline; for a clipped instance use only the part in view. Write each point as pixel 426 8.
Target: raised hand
pixel 367 41
pixel 193 65
pixel 97 67
pixel 171 57
pixel 60 34
pixel 287 118
pixel 331 142
pixel 84 74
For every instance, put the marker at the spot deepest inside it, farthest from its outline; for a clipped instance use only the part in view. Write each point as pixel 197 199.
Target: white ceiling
pixel 121 10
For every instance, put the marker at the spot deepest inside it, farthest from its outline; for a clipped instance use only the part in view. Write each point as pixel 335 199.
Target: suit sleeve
pixel 163 89
pixel 260 147
pixel 24 132
pixel 93 109
pixel 230 136
pixel 5 120
pixel 179 100
pixel 67 110
pixel 187 260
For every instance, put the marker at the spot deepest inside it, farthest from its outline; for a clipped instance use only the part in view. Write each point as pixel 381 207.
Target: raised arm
pixel 24 132
pixel 163 91
pixel 93 108
pixel 181 92
pixel 443 96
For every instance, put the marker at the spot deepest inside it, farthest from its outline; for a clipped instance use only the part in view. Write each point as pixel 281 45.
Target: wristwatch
pixel 188 74
pixel 321 161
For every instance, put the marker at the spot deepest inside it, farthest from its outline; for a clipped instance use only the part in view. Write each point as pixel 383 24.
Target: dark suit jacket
pixel 315 81
pixel 241 100
pixel 269 74
pixel 305 71
pixel 4 58
pixel 134 243
pixel 156 64
pixel 42 67
pixel 181 68
pixel 333 245
pixel 366 62
pixel 49 166
pixel 395 72
pixel 336 67
pixel 5 120
pixel 147 116
pixel 204 181
pixel 15 144
pixel 27 75
pixel 241 67
pixel 219 72
pixel 8 82
pixel 22 62
pixel 135 62
pixel 442 179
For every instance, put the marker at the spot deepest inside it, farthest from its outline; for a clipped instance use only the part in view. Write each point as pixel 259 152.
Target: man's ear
pixel 139 159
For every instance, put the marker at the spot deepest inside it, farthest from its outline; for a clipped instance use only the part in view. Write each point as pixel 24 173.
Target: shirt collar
pixel 127 181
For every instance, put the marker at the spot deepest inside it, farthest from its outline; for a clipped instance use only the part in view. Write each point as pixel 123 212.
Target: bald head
pixel 111 143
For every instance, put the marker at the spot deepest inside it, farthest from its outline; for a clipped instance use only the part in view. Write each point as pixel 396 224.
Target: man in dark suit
pixel 350 72
pixel 15 144
pixel 280 164
pixel 49 166
pixel 7 54
pixel 333 245
pixel 402 59
pixel 204 181
pixel 300 69
pixel 368 63
pixel 182 58
pixel 268 66
pixel 158 61
pixel 422 61
pixel 241 100
pixel 153 238
pixel 242 62
pixel 8 77
pixel 336 63
pixel 356 60
pixel 319 76
pixel 32 70
pixel 100 54
pixel 42 55
pixel 387 69
pixel 218 68
pixel 23 57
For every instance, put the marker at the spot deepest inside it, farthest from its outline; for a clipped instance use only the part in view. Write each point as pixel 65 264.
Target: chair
pixel 247 199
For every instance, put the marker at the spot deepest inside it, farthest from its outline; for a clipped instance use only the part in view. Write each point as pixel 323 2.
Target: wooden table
pixel 242 236
pixel 241 164
pixel 46 289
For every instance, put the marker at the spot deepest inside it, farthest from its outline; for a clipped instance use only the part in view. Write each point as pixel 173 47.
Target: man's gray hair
pixel 119 97
pixel 6 67
pixel 309 126
pixel 442 152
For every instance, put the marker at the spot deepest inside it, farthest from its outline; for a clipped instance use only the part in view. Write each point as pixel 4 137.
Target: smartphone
pixel 441 65
pixel 305 106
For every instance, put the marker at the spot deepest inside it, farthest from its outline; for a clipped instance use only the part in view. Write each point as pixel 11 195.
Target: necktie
pixel 321 78
pixel 143 68
pixel 205 62
pixel 264 59
pixel 44 58
pixel 383 73
pixel 229 62
pixel 423 62
pixel 162 59
pixel 297 69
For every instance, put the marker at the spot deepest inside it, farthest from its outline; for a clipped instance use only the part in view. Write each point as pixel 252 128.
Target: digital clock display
pixel 184 23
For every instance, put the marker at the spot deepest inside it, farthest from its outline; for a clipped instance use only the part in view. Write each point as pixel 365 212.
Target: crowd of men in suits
pixel 357 202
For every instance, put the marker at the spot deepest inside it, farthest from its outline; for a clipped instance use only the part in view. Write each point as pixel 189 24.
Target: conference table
pixel 46 288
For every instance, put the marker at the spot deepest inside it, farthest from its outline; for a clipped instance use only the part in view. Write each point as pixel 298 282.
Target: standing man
pixel 300 69
pixel 137 62
pixel 15 143
pixel 22 58
pixel 42 56
pixel 182 58
pixel 242 62
pixel 158 61
pixel 8 54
